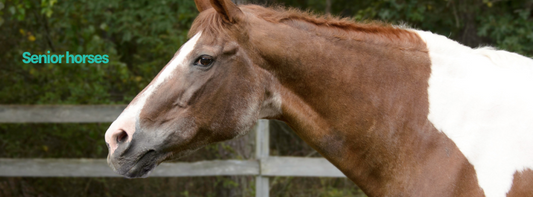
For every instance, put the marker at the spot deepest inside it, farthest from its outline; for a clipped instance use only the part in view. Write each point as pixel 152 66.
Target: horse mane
pixel 280 14
pixel 210 22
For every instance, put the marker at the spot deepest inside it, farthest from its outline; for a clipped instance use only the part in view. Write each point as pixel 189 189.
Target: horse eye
pixel 204 61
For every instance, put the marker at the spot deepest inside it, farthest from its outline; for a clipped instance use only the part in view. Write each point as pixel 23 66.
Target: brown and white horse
pixel 401 112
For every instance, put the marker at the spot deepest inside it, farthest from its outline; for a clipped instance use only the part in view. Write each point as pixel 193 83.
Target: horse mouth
pixel 143 166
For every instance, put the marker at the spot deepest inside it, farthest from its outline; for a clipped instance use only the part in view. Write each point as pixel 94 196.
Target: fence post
pixel 261 152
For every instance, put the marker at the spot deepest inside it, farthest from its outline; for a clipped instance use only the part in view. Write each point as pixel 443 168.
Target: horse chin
pixel 142 167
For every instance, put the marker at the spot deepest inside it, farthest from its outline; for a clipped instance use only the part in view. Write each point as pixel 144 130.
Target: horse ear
pixel 202 5
pixel 227 9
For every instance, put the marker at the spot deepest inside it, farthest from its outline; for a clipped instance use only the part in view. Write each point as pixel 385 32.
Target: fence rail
pixel 273 166
pixel 59 113
pixel 262 167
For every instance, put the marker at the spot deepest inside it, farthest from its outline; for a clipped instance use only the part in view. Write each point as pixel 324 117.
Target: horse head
pixel 210 91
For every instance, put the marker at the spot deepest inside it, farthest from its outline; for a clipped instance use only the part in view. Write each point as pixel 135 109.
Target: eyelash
pixel 204 61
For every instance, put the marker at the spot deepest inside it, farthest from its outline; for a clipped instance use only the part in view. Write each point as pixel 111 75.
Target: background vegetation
pixel 140 37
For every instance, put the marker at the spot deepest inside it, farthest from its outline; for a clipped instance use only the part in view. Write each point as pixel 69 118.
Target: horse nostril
pixel 122 137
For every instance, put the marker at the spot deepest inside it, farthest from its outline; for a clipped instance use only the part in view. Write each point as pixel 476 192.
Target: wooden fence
pixel 263 166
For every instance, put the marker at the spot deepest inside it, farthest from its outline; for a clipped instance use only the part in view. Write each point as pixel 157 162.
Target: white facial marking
pixel 482 99
pixel 130 116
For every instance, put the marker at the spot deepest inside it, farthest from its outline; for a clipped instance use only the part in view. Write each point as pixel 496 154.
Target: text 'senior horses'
pixel 401 112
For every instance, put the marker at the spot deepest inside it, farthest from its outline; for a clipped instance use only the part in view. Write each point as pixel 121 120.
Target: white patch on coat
pixel 482 99
pixel 128 118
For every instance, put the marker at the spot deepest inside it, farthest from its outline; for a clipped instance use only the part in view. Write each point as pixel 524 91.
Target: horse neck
pixel 362 104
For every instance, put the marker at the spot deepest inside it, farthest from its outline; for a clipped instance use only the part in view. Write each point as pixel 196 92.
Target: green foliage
pixel 506 25
pixel 52 140
pixel 513 32
pixel 114 187
pixel 46 7
pixel 18 10
pixel 314 187
pixel 139 37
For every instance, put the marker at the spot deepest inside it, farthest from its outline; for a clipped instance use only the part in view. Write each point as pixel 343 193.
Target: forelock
pixel 211 24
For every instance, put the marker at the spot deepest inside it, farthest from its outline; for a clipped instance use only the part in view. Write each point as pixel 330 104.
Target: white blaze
pixel 482 99
pixel 130 116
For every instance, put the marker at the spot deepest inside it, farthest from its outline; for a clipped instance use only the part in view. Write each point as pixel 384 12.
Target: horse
pixel 400 111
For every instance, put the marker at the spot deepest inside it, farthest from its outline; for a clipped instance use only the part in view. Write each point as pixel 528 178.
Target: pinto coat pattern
pixel 400 112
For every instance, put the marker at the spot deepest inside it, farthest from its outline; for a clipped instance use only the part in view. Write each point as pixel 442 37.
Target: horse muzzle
pixel 138 168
